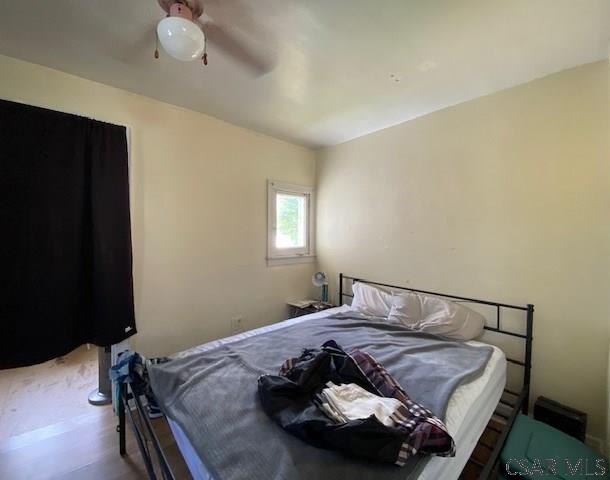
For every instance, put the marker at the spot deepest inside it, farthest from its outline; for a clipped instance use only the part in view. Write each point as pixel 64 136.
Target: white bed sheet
pixel 468 411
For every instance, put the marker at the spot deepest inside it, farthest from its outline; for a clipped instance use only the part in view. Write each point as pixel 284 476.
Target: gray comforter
pixel 213 395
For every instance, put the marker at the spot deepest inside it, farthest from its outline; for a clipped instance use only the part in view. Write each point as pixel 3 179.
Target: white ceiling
pixel 336 63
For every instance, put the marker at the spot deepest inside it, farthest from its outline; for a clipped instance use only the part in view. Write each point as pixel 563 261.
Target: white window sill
pixel 289 260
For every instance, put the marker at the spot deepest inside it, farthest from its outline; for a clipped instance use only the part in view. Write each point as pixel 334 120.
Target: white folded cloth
pixel 332 413
pixel 351 402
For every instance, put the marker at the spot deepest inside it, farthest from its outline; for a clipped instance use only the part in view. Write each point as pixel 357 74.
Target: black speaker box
pixel 566 419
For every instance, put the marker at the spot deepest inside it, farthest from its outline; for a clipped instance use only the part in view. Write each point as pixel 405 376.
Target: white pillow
pixel 436 315
pixel 371 300
pixel 406 309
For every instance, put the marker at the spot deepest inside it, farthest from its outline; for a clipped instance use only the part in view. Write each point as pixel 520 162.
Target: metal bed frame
pixel 130 406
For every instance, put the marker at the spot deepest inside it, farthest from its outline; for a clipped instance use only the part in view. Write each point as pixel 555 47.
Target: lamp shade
pixel 319 279
pixel 181 38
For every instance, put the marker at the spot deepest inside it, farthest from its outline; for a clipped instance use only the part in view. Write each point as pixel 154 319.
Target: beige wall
pixel 506 197
pixel 199 209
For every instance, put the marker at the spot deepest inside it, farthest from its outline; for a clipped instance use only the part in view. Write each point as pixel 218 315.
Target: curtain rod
pixel 55 109
pixel 127 127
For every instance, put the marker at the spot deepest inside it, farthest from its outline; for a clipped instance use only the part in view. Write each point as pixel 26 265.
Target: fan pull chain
pixel 205 51
pixel 156 45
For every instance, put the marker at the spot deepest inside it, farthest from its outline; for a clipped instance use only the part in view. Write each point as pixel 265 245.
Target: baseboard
pixel 596 444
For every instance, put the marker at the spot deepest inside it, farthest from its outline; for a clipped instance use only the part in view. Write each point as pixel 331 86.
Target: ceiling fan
pixel 184 36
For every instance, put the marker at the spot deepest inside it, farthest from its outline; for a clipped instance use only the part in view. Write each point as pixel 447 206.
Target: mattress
pixel 468 411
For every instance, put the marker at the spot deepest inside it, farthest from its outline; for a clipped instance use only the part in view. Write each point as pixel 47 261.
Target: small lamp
pixel 319 279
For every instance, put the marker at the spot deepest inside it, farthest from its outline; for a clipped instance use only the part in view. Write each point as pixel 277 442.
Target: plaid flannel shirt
pixel 424 432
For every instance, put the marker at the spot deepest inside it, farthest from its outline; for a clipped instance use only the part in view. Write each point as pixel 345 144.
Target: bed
pixel 468 412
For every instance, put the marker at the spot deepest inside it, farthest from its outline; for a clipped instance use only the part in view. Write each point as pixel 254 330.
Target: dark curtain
pixel 65 237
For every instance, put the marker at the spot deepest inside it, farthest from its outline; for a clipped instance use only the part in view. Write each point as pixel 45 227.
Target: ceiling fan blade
pixel 234 47
pixel 239 14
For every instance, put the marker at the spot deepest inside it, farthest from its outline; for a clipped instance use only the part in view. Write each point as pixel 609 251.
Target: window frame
pixel 284 256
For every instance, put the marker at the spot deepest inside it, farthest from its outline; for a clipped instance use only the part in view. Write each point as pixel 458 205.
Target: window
pixel 289 223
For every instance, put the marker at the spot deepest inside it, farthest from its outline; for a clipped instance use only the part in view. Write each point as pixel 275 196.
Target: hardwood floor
pixel 82 448
pixel 48 430
pixel 48 393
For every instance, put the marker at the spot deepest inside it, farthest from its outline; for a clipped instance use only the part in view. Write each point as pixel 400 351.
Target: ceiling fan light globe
pixel 181 38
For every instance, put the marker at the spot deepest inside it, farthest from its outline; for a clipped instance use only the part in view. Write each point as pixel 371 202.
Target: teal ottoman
pixel 535 450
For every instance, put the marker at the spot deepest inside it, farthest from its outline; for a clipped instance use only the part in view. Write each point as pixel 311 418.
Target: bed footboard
pixel 130 408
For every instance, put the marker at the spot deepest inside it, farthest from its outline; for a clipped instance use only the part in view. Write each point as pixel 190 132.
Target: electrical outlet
pixel 237 324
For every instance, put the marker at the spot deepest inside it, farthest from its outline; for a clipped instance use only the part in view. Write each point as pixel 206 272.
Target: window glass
pixel 291 219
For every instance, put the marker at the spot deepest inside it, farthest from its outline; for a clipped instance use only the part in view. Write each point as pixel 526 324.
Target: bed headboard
pixel 528 318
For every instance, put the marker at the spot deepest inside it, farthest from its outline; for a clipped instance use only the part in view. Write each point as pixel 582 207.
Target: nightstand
pixel 304 307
